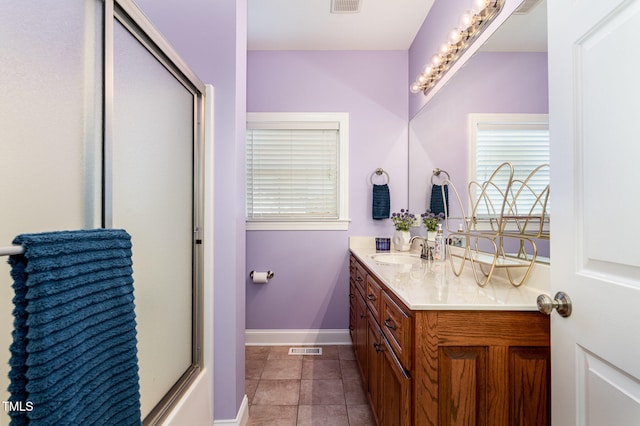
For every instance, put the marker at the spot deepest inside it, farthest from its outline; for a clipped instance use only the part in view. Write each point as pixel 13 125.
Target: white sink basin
pixel 397 258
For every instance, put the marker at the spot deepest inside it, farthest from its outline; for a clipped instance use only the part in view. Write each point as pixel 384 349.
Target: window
pixel 522 140
pixel 296 165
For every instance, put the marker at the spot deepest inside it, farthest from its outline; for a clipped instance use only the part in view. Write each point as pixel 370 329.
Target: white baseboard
pixel 242 419
pixel 257 337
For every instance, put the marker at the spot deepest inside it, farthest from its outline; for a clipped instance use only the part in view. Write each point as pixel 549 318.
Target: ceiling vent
pixel 345 6
pixel 526 6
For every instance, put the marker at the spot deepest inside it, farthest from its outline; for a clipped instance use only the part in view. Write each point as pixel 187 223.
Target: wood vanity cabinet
pixel 386 379
pixel 450 367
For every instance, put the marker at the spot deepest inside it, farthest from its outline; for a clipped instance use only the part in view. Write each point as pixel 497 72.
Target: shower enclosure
pixel 102 125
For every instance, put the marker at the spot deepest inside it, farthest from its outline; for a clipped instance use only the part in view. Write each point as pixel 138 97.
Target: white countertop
pixel 434 286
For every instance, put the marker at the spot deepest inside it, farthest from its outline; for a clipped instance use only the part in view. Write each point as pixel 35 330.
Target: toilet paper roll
pixel 260 277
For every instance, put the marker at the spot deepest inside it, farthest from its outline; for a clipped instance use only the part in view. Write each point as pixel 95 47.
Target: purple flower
pixel 403 220
pixel 431 220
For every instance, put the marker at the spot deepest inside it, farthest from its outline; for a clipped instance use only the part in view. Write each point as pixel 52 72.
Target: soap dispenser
pixel 439 247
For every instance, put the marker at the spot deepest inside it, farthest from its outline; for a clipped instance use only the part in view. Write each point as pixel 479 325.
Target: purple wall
pixel 210 36
pixel 310 288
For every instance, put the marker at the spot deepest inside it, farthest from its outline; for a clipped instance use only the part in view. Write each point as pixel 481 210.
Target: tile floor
pixel 305 389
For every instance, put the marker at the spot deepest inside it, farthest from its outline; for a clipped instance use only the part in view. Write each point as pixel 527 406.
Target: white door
pixel 594 86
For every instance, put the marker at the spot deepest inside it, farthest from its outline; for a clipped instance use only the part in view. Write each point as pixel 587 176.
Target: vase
pixel 401 240
pixel 431 235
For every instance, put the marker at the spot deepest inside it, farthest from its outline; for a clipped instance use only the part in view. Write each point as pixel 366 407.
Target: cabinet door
pixel 360 343
pixel 352 311
pixel 530 377
pixel 463 384
pixel 396 385
pixel 374 363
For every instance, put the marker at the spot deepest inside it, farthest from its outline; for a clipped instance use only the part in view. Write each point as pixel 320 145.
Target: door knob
pixel 560 303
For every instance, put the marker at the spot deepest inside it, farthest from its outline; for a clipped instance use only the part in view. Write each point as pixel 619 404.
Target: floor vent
pixel 305 351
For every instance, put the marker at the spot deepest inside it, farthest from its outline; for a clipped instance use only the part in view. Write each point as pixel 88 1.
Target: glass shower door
pixel 152 196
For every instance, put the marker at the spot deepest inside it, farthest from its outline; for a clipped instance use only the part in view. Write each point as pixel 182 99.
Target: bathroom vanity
pixel 436 349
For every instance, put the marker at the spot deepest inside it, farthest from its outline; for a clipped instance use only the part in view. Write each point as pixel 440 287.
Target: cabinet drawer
pixel 360 279
pixel 373 296
pixel 396 325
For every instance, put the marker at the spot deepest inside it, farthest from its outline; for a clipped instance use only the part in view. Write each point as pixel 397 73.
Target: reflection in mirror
pixel 508 75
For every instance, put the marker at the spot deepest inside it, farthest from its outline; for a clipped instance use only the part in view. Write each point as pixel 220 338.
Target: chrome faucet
pixel 427 251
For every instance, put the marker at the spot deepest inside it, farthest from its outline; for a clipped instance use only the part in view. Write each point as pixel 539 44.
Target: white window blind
pixel 520 139
pixel 294 171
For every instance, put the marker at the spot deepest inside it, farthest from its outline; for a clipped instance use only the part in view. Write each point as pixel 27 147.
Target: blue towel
pixel 381 202
pixel 74 356
pixel 438 200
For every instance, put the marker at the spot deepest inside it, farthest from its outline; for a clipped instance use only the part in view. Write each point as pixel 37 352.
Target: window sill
pixel 269 225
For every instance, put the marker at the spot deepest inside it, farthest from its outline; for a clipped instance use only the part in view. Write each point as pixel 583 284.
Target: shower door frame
pixel 132 18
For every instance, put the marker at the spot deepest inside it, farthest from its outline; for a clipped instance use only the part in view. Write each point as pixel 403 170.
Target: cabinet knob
pixel 389 323
pixel 377 346
pixel 371 297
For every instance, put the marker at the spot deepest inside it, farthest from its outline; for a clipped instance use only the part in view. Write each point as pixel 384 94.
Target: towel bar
pixel 11 250
pixel 379 172
pixel 437 171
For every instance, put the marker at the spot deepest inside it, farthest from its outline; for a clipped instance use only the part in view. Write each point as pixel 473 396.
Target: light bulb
pixel 414 88
pixel 467 19
pixel 436 60
pixel 428 70
pixel 445 48
pixel 421 79
pixel 455 35
pixel 479 5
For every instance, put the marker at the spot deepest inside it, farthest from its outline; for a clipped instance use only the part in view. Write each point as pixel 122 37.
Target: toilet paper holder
pixel 270 274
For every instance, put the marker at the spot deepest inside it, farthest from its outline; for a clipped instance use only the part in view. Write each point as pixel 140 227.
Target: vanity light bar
pixel 460 38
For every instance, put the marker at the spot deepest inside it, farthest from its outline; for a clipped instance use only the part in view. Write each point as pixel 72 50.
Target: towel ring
pixel 379 172
pixel 436 172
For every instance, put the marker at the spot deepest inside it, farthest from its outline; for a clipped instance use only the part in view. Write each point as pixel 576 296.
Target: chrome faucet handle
pixel 425 251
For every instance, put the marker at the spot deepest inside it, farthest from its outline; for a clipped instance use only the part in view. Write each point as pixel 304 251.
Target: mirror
pixel 508 75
